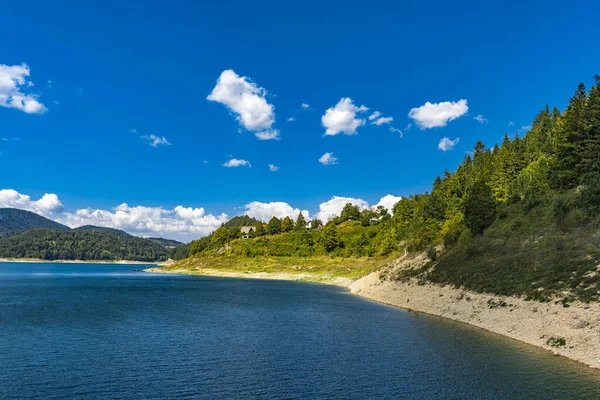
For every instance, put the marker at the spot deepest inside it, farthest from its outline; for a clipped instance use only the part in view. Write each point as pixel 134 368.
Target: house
pixel 246 231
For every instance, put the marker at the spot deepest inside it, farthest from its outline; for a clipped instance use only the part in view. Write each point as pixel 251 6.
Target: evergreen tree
pixel 274 226
pixel 480 208
pixel 590 162
pixel 568 146
pixel 331 237
pixel 300 222
pixel 316 224
pixel 260 229
pixel 287 225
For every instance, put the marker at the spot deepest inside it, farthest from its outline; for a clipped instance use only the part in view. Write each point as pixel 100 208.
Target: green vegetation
pixel 522 218
pixel 556 342
pixel 101 229
pixel 49 244
pixel 13 221
pixel 168 243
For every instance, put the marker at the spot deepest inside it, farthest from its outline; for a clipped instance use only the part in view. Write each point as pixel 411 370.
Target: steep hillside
pixel 168 243
pixel 13 221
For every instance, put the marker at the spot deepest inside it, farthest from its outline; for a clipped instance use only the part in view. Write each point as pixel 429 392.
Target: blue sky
pixel 106 74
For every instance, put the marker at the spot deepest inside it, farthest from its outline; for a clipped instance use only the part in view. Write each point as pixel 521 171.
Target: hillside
pixel 101 229
pixel 49 244
pixel 521 218
pixel 168 243
pixel 13 221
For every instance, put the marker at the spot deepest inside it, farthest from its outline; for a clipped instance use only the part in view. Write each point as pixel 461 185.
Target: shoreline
pixel 39 260
pixel 529 322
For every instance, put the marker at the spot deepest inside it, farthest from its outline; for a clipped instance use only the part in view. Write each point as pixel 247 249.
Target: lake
pixel 101 331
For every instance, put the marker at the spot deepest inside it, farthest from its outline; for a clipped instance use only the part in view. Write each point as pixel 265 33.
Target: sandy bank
pixel 532 322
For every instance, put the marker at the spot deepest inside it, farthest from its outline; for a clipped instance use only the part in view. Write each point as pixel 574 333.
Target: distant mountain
pixel 52 244
pixel 168 243
pixel 101 229
pixel 13 221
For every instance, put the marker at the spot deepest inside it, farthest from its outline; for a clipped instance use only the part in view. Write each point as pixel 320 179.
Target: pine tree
pixel 287 225
pixel 260 228
pixel 480 208
pixel 568 146
pixel 331 237
pixel 300 222
pixel 274 226
pixel 590 162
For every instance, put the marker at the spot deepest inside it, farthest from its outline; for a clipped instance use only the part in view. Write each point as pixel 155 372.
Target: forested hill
pixel 13 221
pixel 101 229
pixel 168 243
pixel 50 244
pixel 522 217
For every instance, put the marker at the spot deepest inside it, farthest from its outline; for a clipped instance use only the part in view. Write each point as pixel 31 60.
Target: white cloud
pixel 12 80
pixel 279 209
pixel 155 141
pixel 408 126
pixel 396 130
pixel 273 167
pixel 291 119
pixel 437 115
pixel 375 115
pixel 47 205
pixel 269 134
pixel 180 222
pixel 305 106
pixel 382 120
pixel 342 118
pixel 388 201
pixel 377 119
pixel 248 101
pixel 333 207
pixel 481 119
pixel 447 144
pixel 234 162
pixel 328 159
pixel 133 131
pixel 511 123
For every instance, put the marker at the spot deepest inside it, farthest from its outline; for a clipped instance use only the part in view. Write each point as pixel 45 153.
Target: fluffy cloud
pixel 481 119
pixel 305 106
pixel 437 115
pixel 12 81
pixel 447 144
pixel 155 141
pixel 333 207
pixel 47 205
pixel 148 221
pixel 342 118
pixel 273 167
pixel 234 162
pixel 247 101
pixel 279 209
pixel 388 201
pixel 328 159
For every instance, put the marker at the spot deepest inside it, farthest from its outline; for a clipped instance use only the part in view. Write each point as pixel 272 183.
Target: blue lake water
pixel 86 331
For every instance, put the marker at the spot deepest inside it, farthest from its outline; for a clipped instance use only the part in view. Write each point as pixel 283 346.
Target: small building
pixel 246 231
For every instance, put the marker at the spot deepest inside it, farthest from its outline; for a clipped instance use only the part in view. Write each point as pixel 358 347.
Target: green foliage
pixel 349 212
pixel 287 225
pixel 590 194
pixel 480 208
pixel 331 238
pixel 274 226
pixel 220 236
pixel 300 222
pixel 50 244
pixel 239 221
pixel 260 229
